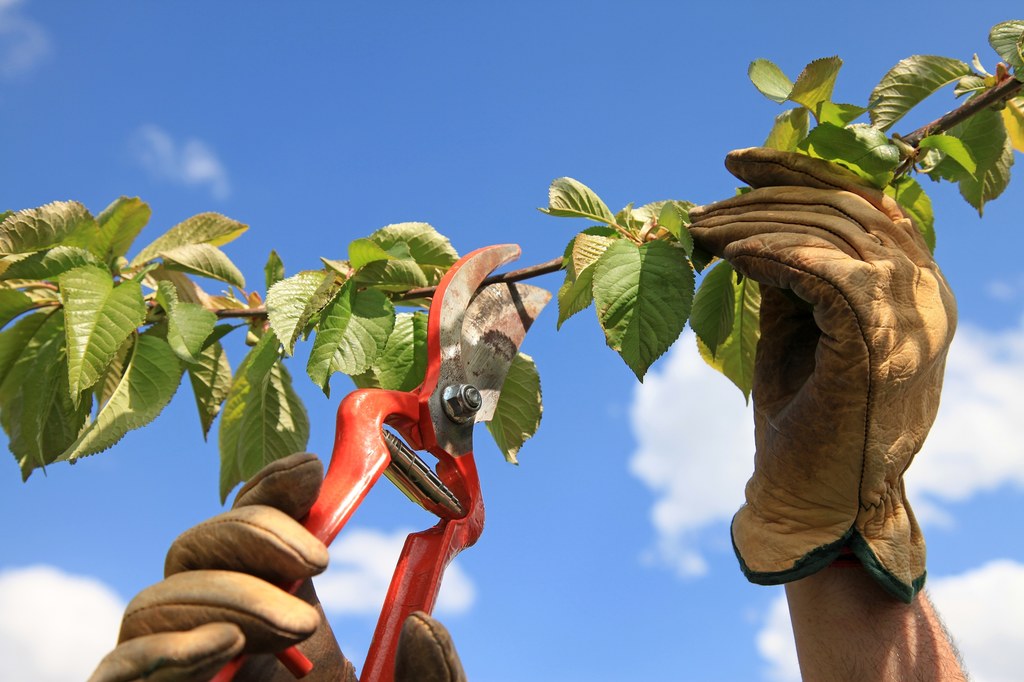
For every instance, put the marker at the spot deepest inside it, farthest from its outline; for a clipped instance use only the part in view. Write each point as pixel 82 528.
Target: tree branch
pixel 1006 89
pixel 547 267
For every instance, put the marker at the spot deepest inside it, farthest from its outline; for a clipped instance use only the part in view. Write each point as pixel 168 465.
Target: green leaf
pixel 393 275
pixel 16 339
pixel 365 251
pixel 910 82
pixel 985 136
pixel 714 307
pixel 575 295
pixel 99 317
pixel 188 324
pixel 120 223
pixel 735 355
pixel 35 409
pixel 293 301
pixel 12 304
pixel 1013 119
pixel 403 362
pixel 517 416
pixel 149 382
pixel 815 83
pixel 789 129
pixel 968 84
pixel 50 263
pixel 952 147
pixel 770 80
pixel 430 249
pixel 107 384
pixel 1007 39
pixel 354 327
pixel 263 418
pixel 204 260
pixel 838 114
pixel 206 228
pixel 861 148
pixel 915 204
pixel 210 377
pixel 568 198
pixel 643 295
pixel 587 249
pixel 36 229
pixel 273 271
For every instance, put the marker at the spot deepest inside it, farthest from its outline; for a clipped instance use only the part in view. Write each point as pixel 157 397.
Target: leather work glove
pixel 219 598
pixel 855 323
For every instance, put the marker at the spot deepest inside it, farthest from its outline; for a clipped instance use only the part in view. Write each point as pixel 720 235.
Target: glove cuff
pixel 891 549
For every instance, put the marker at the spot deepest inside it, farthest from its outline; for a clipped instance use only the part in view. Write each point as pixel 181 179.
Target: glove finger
pixel 269 618
pixel 290 484
pixel 846 221
pixel 426 652
pixel 258 540
pixel 760 167
pixel 172 656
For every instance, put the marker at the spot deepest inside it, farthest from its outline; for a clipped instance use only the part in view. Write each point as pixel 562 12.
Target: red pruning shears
pixel 473 332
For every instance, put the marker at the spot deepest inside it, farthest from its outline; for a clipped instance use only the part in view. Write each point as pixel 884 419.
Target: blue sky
pixel 606 553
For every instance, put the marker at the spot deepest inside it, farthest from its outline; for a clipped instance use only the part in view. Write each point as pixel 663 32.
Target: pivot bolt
pixel 461 402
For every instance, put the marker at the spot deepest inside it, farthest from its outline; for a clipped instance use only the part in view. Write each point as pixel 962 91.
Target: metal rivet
pixel 461 402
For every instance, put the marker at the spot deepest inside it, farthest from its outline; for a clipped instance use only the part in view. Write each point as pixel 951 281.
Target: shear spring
pixel 415 472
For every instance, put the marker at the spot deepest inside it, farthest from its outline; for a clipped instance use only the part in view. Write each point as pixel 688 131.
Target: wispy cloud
pixel 1006 289
pixel 23 42
pixel 190 162
pixel 982 608
pixel 694 451
pixel 54 626
pixel 695 441
pixel 362 562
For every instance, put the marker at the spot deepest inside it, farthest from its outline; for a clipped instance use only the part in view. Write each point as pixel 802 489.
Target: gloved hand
pixel 855 323
pixel 218 599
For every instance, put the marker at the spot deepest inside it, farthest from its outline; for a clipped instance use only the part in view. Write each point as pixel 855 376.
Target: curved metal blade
pixel 496 323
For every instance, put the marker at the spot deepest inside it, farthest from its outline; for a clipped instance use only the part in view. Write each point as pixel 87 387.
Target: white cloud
pixel 982 608
pixel 54 626
pixel 190 163
pixel 362 562
pixel 695 439
pixel 23 42
pixel 977 443
pixel 1007 289
pixel 984 611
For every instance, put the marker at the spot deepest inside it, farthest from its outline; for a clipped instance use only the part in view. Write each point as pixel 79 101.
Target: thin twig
pixel 545 268
pixel 1000 93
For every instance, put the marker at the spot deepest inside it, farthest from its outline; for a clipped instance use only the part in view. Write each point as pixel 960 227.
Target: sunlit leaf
pixel 120 223
pixel 365 251
pixel 1007 39
pixel 273 271
pixel 99 317
pixel 714 306
pixel 1013 119
pixel 12 304
pixel 815 83
pixel 838 114
pixel 952 147
pixel 50 263
pixel 568 198
pixel 393 275
pixel 770 80
pixel 985 136
pixel 354 327
pixel 188 325
pixel 263 418
pixel 643 296
pixel 403 361
pixel 915 204
pixel 149 382
pixel 293 301
pixel 910 82
pixel 430 249
pixel 204 260
pixel 35 229
pixel 789 129
pixel 859 147
pixel 206 228
pixel 210 377
pixel 518 414
pixel 735 355
pixel 587 248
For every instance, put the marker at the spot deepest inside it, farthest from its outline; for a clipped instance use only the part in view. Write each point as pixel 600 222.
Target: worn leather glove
pixel 219 600
pixel 855 323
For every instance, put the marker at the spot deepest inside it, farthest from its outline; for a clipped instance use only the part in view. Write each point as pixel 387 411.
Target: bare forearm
pixel 848 628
